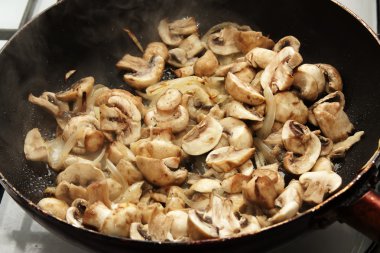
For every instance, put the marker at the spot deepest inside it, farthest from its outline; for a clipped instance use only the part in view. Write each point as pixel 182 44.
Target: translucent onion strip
pixel 265 150
pixel 116 174
pixel 270 114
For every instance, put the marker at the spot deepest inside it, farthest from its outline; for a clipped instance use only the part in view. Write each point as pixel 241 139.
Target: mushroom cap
pixel 157 172
pixel 247 40
pixel 290 107
pixel 227 158
pixel 223 42
pixel 312 70
pixel 239 111
pixel 54 207
pixel 239 135
pixel 286 42
pixel 234 184
pixel 241 91
pixel 34 146
pixel 192 46
pixel 72 216
pixel 202 137
pixel 81 174
pixel 200 228
pixel 319 183
pixel 156 148
pixel 332 77
pixel 169 100
pixel 177 120
pixel 260 57
pixel 260 191
pixel 295 137
pixel 206 65
pixel 305 162
pixel 156 48
pixel 165 34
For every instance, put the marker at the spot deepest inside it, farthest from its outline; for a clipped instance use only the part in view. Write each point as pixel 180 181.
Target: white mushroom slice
pixel 72 217
pixel 184 26
pixel 117 151
pixel 247 40
pixel 223 42
pixel 200 227
pixel 184 71
pixel 271 171
pixel 339 149
pixel 309 80
pixel 289 202
pixel 96 214
pixel 78 92
pixel 260 57
pixel 203 137
pixel 235 183
pixel 68 192
pixel 155 148
pixel 227 158
pixel 206 65
pixel 179 226
pixel 329 115
pixel 192 46
pixel 49 102
pixel 118 222
pixel 323 164
pixel 239 111
pixel 234 67
pixel 34 146
pixel 295 137
pixel 246 75
pixel 241 91
pixel 147 76
pixel 139 231
pixel 246 168
pixel 166 36
pixel 54 207
pixel 317 184
pixel 332 77
pixel 286 42
pixel 326 145
pixel 206 185
pixel 80 174
pixel 98 191
pixel 290 107
pixel 126 106
pixel 305 162
pixel 260 191
pixel 278 73
pixel 239 135
pixel 156 172
pixel 156 48
pixel 178 58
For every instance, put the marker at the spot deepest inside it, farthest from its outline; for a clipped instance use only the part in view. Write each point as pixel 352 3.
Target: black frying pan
pixel 87 36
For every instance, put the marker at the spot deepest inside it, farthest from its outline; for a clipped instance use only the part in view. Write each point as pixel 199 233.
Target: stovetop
pixel 20 233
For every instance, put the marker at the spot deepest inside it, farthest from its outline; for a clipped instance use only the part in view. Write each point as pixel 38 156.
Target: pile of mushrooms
pixel 203 155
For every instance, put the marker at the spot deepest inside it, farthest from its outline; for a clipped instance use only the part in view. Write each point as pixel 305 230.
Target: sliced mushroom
pixel 329 115
pixel 287 41
pixel 155 48
pixel 166 35
pixel 278 73
pixel 80 174
pixel 290 107
pixel 68 192
pixel 295 137
pixel 305 162
pixel 139 231
pixel 309 80
pixel 234 184
pixel 184 71
pixel 98 191
pixel 54 207
pixel 339 149
pixel 117 151
pixel 239 135
pixel 178 58
pixel 192 46
pixel 206 65
pixel 49 102
pixel 200 227
pixel 179 226
pixel 317 184
pixel 260 57
pixel 34 146
pixel 260 191
pixel 247 40
pixel 234 67
pixel 241 91
pixel 78 92
pixel 332 77
pixel 184 26
pixel 326 145
pixel 323 164
pixel 246 75
pixel 240 111
pixel 206 185
pixel 157 172
pixel 223 42
pixel 203 137
pixel 73 217
pixel 96 214
pixel 289 202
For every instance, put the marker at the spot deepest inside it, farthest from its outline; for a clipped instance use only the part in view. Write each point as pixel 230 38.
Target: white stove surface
pixel 19 233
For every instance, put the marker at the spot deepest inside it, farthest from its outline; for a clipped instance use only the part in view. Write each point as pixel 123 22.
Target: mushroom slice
pixel 192 46
pixel 73 217
pixel 147 76
pixel 82 174
pixel 203 137
pixel 68 192
pixel 326 145
pixel 166 35
pixel 206 185
pixel 309 80
pixel 260 191
pixel 35 147
pixel 323 164
pixel 206 65
pixel 155 148
pixel 234 67
pixel 184 71
pixel 79 90
pixel 157 172
pixel 234 184
pixel 184 26
pixel 49 102
pixel 96 214
pixel 223 42
pixel 241 91
pixel 339 149
pixel 240 111
pixel 329 115
pixel 295 137
pixel 286 42
pixel 178 58
pixel 247 40
pixel 155 48
pixel 260 57
pixel 239 135
pixel 289 202
pixel 117 151
pixel 200 227
pixel 317 184
pixel 227 158
pixel 332 77
pixel 179 226
pixel 290 107
pixel 54 207
pixel 305 162
pixel 139 231
pixel 278 73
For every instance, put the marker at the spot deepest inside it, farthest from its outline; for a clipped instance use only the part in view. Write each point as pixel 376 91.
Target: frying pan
pixel 87 36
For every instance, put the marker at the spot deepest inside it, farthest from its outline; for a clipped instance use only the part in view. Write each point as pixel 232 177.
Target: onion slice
pixel 270 114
